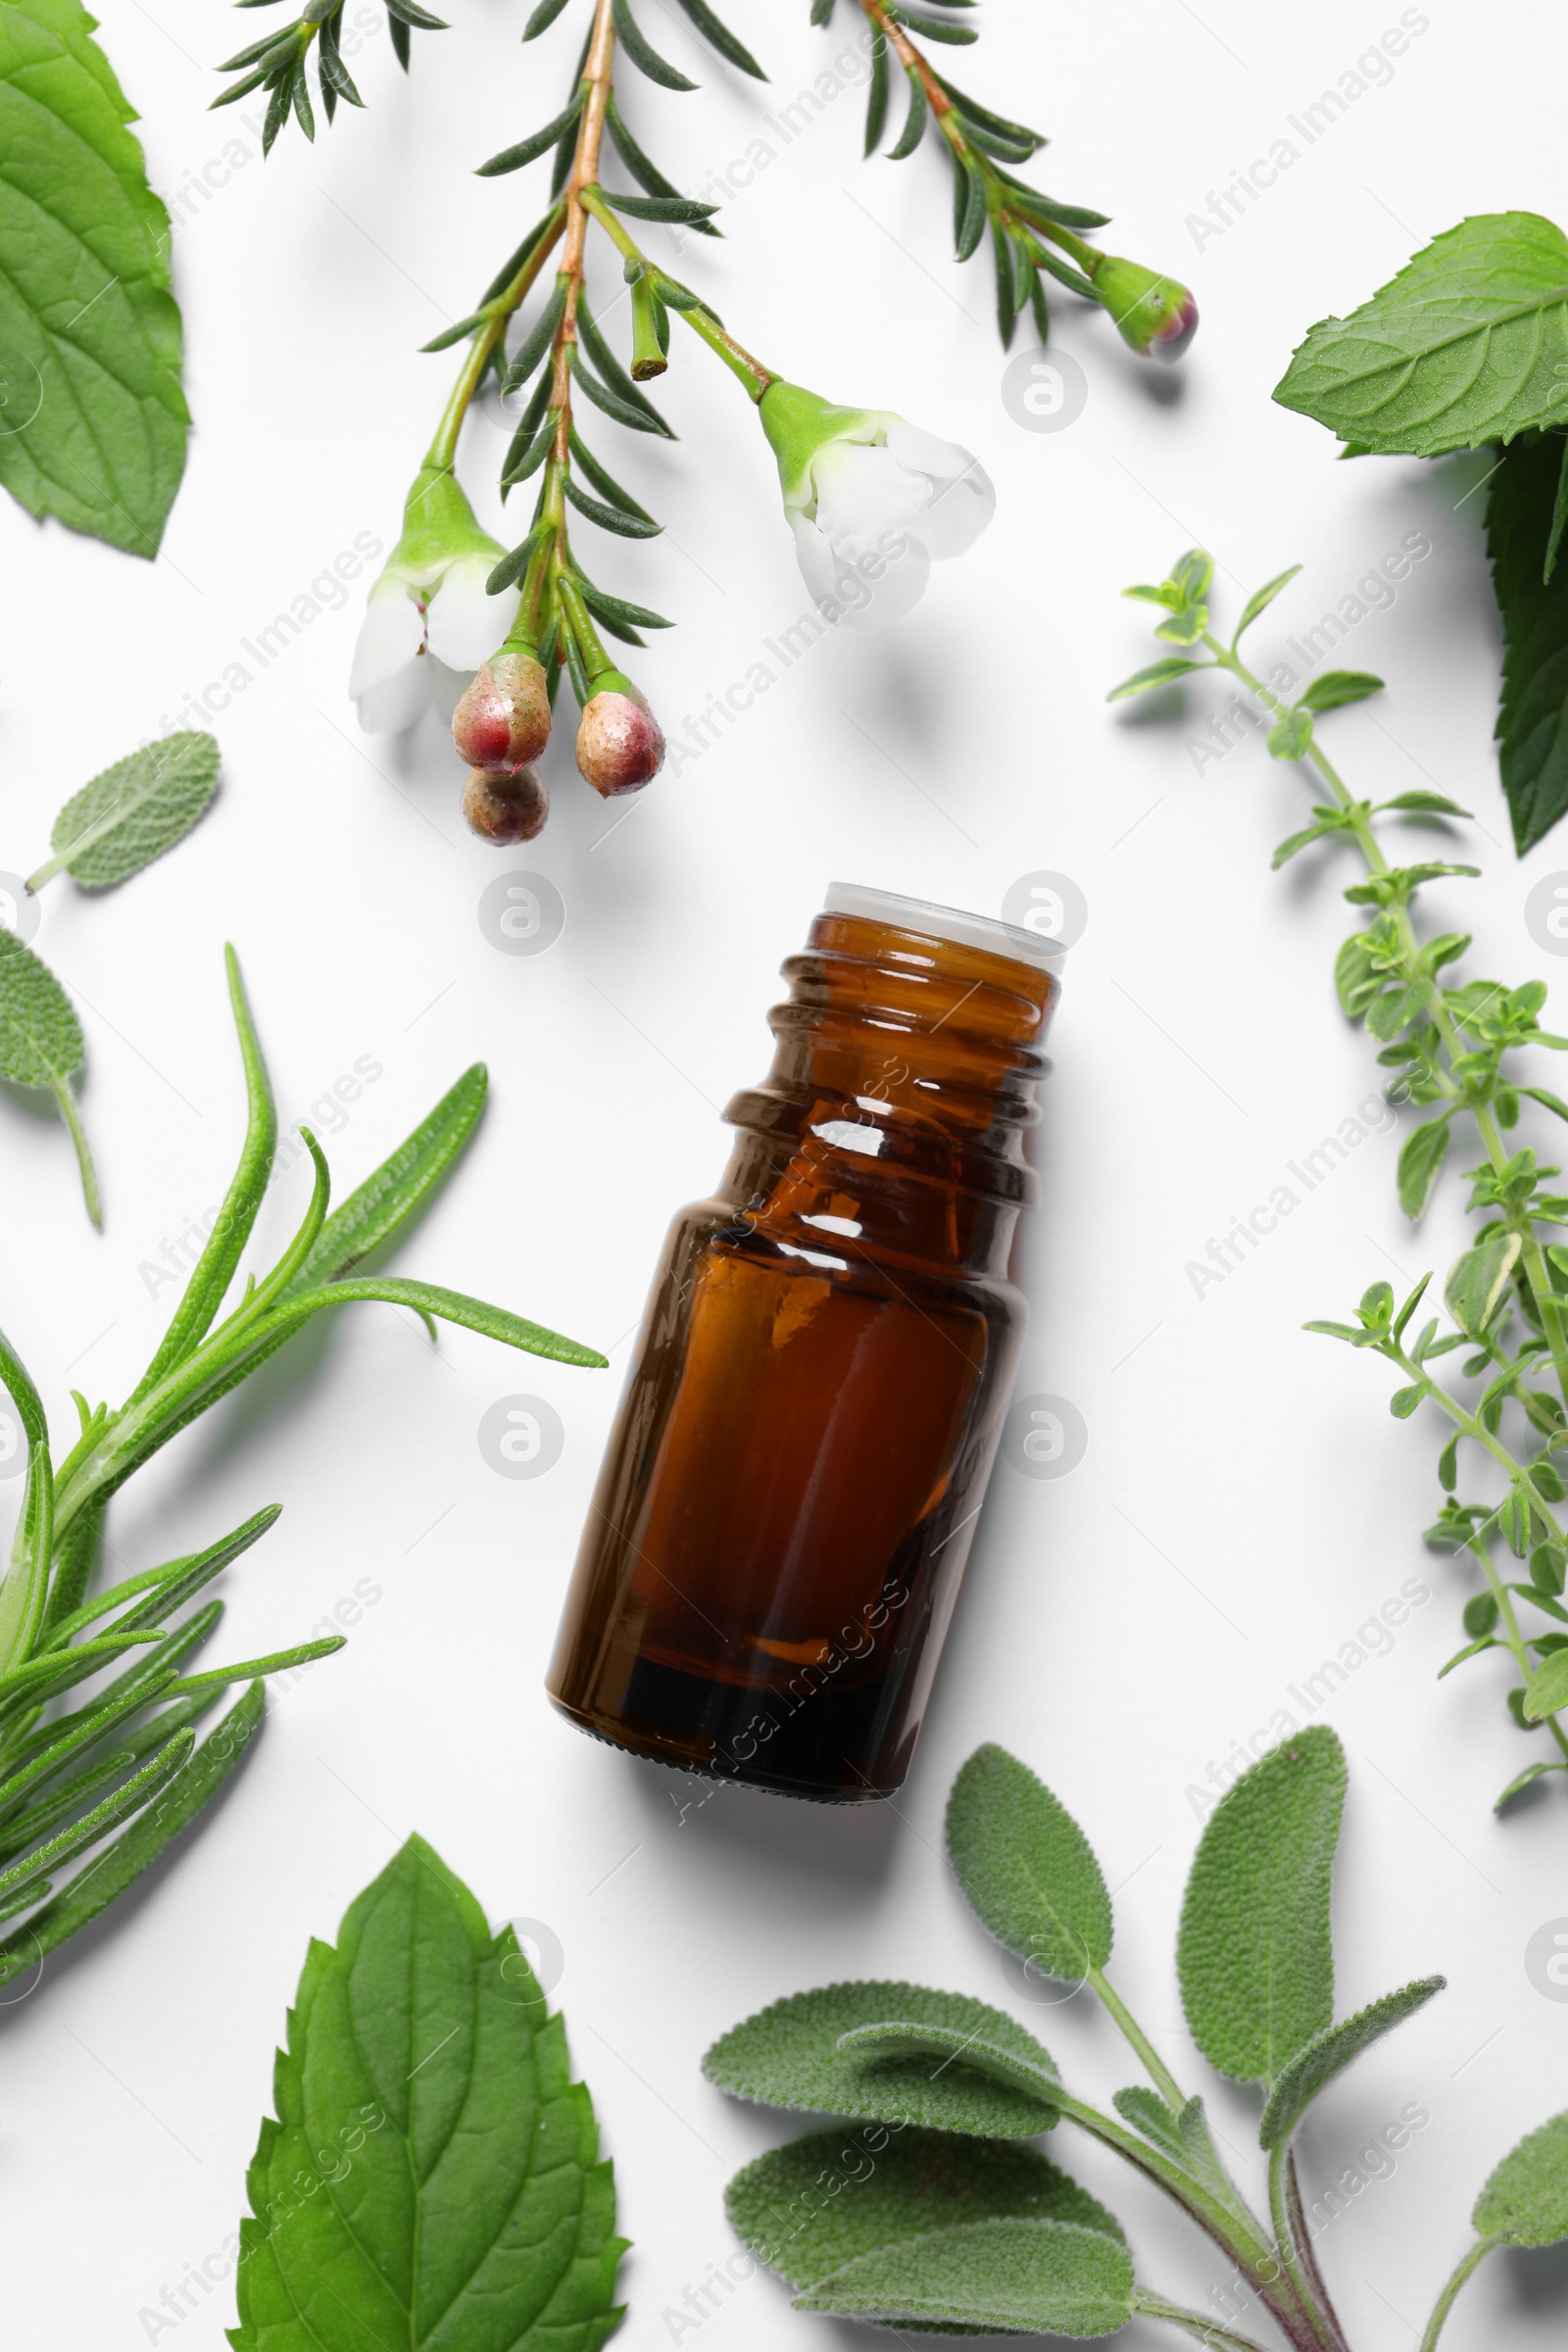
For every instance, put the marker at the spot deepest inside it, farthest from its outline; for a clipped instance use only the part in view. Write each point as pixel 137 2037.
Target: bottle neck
pixel 890 1124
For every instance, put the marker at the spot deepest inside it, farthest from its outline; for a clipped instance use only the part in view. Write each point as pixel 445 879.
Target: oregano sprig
pixel 1452 1045
pixel 934 2212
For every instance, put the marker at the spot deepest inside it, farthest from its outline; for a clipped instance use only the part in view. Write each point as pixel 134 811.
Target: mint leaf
pixel 1533 715
pixel 41 1043
pixel 434 2177
pixel 787 2056
pixel 1462 347
pixel 95 421
pixel 132 812
pixel 819 2203
pixel 1026 1867
pixel 1010 2276
pixel 1323 2057
pixel 1254 1954
pixel 1525 2202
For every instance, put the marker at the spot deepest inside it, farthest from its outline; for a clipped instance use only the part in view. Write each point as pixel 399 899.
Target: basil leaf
pixel 1462 347
pixel 90 329
pixel 434 2176
pixel 132 812
pixel 1533 715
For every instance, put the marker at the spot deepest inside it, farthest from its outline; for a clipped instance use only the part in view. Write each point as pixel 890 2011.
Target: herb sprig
pixel 958 2226
pixel 1452 1046
pixel 128 1753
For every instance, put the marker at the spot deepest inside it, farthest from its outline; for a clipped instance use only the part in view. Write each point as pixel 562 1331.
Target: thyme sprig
pixel 1452 1045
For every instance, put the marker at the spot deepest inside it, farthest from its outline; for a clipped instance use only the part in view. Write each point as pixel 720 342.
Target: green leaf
pixel 876 101
pixel 137 1849
pixel 1357 980
pixel 424 2076
pixel 41 1042
pixel 1421 1157
pixel 900 2189
pixel 1026 1867
pixel 1525 2202
pixel 1328 2053
pixel 1429 803
pixel 544 16
pixel 1559 521
pixel 138 1791
pixel 1185 2137
pixel 608 518
pixel 642 52
pixel 682 208
pixel 1524 1780
pixel 1337 687
pixel 1185 627
pixel 1533 713
pixel 538 339
pixel 132 812
pixel 718 36
pixel 787 2056
pixel 1256 1955
pixel 1260 600
pixel 1476 1281
pixel 1461 348
pixel 512 159
pixel 89 324
pixel 647 174
pixel 1158 674
pixel 1291 737
pixel 1547 1689
pixel 969 207
pixel 910 136
pixel 1018 2277
pixel 618 383
pixel 386 1200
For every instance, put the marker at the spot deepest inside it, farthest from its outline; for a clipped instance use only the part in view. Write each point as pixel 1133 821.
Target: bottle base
pixel 652 1745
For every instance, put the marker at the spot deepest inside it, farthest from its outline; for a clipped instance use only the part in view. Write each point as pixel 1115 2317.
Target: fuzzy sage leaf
pixel 1026 1867
pixel 1318 2061
pixel 132 812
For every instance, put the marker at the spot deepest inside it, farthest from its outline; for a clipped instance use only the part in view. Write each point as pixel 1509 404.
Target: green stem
pixel 443 449
pixel 1288 2251
pixel 1159 2074
pixel 1301 2238
pixel 1207 2331
pixel 1470 2261
pixel 737 358
pixel 71 1113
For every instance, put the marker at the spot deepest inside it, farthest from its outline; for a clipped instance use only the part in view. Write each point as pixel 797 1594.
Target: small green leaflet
pixel 1524 2203
pixel 1031 2278
pixel 132 812
pixel 1316 2064
pixel 41 1044
pixel 1468 344
pixel 434 2177
pixel 1533 715
pixel 95 421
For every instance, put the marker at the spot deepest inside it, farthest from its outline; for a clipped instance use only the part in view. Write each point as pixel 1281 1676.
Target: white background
pixel 1246 1502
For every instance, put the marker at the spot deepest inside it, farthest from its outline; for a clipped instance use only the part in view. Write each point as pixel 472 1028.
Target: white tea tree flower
pixel 871 499
pixel 431 619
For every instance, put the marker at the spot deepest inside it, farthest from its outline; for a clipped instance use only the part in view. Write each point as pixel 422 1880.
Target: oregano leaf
pixel 1462 347
pixel 1337 687
pixel 132 812
pixel 1261 598
pixel 455 2192
pixel 1525 2201
pixel 1015 2277
pixel 89 322
pixel 1026 1867
pixel 1254 1954
pixel 1477 1280
pixel 1421 1157
pixel 787 2208
pixel 1318 2061
pixel 787 2056
pixel 1547 1689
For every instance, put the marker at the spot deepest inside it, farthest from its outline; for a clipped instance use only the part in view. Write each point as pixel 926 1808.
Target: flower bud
pixel 619 746
pixel 505 808
pixel 1154 315
pixel 502 720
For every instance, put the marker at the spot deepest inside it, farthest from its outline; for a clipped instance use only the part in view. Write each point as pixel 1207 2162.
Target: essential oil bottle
pixel 790 1490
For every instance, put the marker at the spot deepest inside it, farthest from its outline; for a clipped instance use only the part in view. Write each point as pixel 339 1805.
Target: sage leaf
pixel 895 2190
pixel 1254 1954
pixel 456 2191
pixel 132 812
pixel 1317 2063
pixel 41 1043
pixel 1026 1867
pixel 787 2056
pixel 1010 2276
pixel 1525 2201
pixel 1460 348
pixel 95 414
pixel 1533 713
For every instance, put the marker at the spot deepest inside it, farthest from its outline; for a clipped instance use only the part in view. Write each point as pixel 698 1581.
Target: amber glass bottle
pixel 787 1501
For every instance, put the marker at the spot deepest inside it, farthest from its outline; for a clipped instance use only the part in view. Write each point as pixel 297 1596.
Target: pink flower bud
pixel 502 720
pixel 505 808
pixel 619 746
